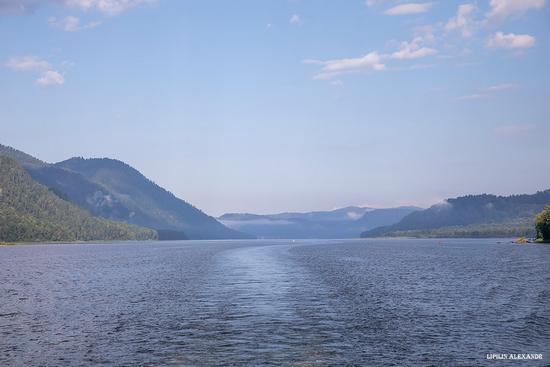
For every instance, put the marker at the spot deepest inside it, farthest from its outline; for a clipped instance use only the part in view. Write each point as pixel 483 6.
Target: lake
pixel 298 303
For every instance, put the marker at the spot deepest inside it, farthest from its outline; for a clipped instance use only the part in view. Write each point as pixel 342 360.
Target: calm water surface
pixel 368 302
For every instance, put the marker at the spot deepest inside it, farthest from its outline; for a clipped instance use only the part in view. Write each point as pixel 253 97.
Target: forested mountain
pixel 131 197
pixel 113 190
pixel 348 213
pixel 20 157
pixel 347 222
pixel 383 217
pixel 31 212
pixel 471 216
pixel 79 190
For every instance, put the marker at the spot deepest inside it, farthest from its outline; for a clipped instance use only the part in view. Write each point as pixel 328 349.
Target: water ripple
pixel 306 303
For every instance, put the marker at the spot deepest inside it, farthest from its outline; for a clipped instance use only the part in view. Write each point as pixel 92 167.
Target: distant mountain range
pixel 471 216
pixel 106 199
pixel 113 190
pixel 30 212
pixel 347 222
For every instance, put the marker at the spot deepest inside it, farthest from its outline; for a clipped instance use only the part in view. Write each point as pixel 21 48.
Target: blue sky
pixel 276 105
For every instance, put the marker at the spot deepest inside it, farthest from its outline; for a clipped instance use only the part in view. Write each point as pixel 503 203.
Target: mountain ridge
pixel 31 212
pixel 149 204
pixel 101 186
pixel 483 215
pixel 347 222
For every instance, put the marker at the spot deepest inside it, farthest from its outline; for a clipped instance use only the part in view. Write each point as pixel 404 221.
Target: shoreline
pixel 501 240
pixel 3 243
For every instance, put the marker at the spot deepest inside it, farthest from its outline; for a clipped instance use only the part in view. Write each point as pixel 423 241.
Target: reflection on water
pixel 376 303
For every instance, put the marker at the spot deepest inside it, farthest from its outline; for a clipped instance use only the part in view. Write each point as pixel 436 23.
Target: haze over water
pixel 358 302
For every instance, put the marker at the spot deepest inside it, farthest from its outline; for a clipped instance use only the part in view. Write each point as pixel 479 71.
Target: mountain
pixel 77 189
pixel 383 217
pixel 20 157
pixel 128 196
pixel 346 222
pixel 471 216
pixel 30 212
pixel 349 213
pixel 113 190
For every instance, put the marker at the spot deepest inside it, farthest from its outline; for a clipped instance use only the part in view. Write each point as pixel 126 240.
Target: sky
pixel 265 106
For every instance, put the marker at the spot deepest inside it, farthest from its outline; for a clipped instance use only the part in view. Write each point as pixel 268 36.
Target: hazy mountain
pixel 30 212
pixel 114 190
pixel 471 216
pixel 131 197
pixel 349 213
pixel 347 222
pixel 81 191
pixel 383 217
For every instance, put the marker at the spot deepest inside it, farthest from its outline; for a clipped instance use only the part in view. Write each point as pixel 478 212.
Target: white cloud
pixel 18 6
pixel 413 50
pixel 331 68
pixel 463 22
pixel 27 63
pixel 50 77
pixel 501 87
pixel 409 8
pixel 514 130
pixel 295 19
pixel 68 24
pixel 71 24
pixel 502 9
pixel 426 33
pixel 47 74
pixel 354 215
pixel 511 41
pixel 107 7
pixel 373 61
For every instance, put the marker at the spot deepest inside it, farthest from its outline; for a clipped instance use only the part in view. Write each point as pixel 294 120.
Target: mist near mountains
pixel 30 212
pixel 471 216
pixel 114 192
pixel 346 222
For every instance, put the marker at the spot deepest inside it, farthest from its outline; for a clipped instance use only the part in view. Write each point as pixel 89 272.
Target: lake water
pixel 357 302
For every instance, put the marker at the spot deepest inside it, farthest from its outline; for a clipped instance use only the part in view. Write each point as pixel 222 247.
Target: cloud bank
pixel 106 7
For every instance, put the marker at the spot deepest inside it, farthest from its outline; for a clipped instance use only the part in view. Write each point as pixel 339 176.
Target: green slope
pixel 113 190
pixel 20 157
pixel 30 212
pixel 471 216
pixel 147 203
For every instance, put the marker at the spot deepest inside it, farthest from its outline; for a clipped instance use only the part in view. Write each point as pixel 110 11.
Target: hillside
pixel 471 216
pixel 113 190
pixel 382 217
pixel 30 212
pixel 20 157
pixel 127 195
pixel 346 222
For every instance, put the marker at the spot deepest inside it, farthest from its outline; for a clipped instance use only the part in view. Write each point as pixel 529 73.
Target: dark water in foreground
pixel 373 303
